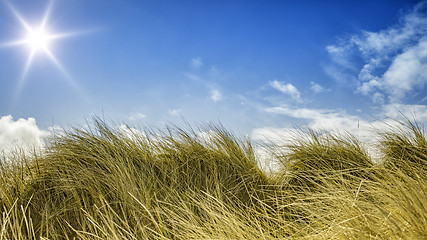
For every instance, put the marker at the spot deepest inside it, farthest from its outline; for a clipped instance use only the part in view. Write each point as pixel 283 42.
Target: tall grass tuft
pixel 406 148
pixel 316 159
pixel 121 183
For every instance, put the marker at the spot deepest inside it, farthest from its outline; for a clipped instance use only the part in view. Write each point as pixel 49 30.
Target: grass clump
pixel 406 148
pixel 317 159
pixel 121 183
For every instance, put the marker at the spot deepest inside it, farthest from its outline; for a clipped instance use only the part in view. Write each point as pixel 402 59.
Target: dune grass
pixel 115 183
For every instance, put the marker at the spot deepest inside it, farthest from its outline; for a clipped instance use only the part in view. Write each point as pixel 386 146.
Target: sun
pixel 38 39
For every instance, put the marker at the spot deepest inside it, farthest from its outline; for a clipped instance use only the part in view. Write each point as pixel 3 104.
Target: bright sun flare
pixel 38 39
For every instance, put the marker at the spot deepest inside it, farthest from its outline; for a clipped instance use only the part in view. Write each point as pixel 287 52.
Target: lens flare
pixel 38 40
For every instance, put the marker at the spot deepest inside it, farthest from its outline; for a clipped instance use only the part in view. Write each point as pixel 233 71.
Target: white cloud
pixel 317 88
pixel 278 136
pixel 398 111
pixel 325 119
pixel 304 113
pixel 378 98
pixel 131 133
pixel 215 95
pixel 207 136
pixel 340 55
pixel 371 85
pixel 20 133
pixel 407 71
pixel 286 88
pixel 394 60
pixel 334 49
pixel 196 62
pixel 340 122
pixel 333 121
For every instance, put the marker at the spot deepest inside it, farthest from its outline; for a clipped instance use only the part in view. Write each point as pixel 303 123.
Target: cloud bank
pixel 20 133
pixel 341 123
pixel 393 61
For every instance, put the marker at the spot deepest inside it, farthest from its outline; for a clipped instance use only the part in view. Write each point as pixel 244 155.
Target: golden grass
pixel 103 183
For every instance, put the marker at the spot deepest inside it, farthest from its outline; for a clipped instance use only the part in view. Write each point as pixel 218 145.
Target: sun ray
pixel 18 16
pixel 63 71
pixel 25 71
pixel 28 64
pixel 46 15
pixel 38 39
pixel 50 36
pixel 56 62
pixel 14 43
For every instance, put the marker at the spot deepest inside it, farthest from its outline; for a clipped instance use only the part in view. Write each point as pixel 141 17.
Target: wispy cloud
pixel 393 60
pixel 215 95
pixel 286 88
pixel 193 77
pixel 20 133
pixel 136 116
pixel 329 119
pixel 207 78
pixel 341 53
pixel 317 88
pixel 196 62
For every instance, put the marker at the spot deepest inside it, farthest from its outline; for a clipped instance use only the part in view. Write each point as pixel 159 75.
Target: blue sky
pixel 258 67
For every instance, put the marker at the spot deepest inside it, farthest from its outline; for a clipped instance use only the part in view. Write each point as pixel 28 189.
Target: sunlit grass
pixel 121 183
